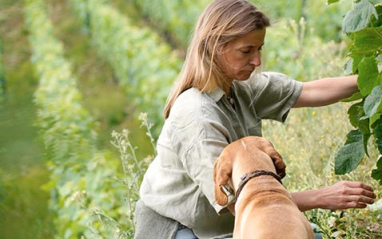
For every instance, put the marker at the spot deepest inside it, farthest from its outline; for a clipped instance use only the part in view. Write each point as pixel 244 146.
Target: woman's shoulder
pixel 267 76
pixel 193 106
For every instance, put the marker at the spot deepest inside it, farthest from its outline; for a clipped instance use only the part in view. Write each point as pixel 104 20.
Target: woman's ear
pixel 222 174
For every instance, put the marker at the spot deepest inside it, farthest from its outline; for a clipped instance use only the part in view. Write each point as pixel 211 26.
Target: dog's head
pixel 223 165
pixel 267 147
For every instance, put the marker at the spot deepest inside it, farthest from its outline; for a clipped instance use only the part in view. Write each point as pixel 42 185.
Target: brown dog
pixel 264 208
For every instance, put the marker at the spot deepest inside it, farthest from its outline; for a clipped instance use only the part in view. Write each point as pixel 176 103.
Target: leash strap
pixel 248 176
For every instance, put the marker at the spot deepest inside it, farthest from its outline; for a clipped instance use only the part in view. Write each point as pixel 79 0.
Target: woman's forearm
pixel 306 200
pixel 326 91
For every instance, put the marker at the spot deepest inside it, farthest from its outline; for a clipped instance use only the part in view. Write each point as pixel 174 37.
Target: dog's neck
pixel 264 184
pixel 259 188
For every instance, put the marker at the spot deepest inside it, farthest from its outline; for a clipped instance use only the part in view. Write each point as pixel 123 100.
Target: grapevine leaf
pixel 375 118
pixel 348 68
pixel 358 18
pixel 364 127
pixel 373 102
pixel 368 75
pixel 368 41
pixel 377 127
pixel 355 96
pixel 357 59
pixel 351 154
pixel 378 142
pixel 332 1
pixel 377 21
pixel 355 113
pixel 377 173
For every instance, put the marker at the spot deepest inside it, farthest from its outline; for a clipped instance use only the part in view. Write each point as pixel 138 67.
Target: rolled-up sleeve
pixel 273 94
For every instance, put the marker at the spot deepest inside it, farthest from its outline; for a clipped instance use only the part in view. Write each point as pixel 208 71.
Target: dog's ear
pixel 278 162
pixel 266 146
pixel 222 173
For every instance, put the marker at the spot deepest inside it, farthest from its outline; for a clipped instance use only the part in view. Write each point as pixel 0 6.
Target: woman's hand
pixel 346 194
pixel 342 195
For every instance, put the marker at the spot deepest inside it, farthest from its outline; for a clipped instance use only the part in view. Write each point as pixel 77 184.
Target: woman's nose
pixel 256 59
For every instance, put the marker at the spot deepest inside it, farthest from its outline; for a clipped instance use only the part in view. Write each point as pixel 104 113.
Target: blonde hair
pixel 221 22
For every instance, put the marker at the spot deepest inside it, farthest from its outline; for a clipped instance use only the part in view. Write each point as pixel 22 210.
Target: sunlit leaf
pixel 373 101
pixel 368 41
pixel 332 1
pixel 368 75
pixel 358 18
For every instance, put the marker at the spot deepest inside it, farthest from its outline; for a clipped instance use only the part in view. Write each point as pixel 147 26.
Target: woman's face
pixel 240 57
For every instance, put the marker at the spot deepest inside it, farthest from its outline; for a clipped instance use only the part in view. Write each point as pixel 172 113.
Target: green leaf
pixel 367 75
pixel 377 129
pixel 377 21
pixel 368 41
pixel 348 68
pixel 355 112
pixel 378 143
pixel 351 154
pixel 377 173
pixel 355 96
pixel 332 1
pixel 364 127
pixel 357 59
pixel 358 18
pixel 375 118
pixel 373 102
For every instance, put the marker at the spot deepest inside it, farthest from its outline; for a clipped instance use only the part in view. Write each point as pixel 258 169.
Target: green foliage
pixel 2 74
pixel 144 65
pixel 363 25
pixel 86 192
pixel 351 154
pixel 358 18
pixel 297 54
pixel 172 17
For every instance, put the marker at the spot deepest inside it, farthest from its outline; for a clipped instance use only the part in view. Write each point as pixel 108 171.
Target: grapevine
pixel 86 193
pixel 144 65
pixel 363 25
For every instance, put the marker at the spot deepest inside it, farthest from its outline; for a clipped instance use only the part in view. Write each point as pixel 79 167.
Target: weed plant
pixel 133 168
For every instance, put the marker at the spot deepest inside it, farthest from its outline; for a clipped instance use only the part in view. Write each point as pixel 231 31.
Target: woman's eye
pixel 246 51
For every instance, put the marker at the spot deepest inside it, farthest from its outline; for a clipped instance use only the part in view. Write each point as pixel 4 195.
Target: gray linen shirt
pixel 178 183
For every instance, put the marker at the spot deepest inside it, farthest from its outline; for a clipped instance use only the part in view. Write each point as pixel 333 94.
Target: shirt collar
pixel 216 94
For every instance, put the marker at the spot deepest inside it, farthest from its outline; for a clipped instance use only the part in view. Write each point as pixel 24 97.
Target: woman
pixel 217 100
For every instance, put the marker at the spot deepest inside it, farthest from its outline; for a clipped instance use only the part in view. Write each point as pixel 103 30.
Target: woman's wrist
pixel 307 200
